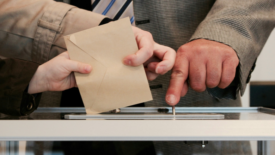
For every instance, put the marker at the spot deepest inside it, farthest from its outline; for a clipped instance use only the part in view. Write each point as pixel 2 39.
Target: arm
pixel 37 27
pixel 33 30
pixel 232 34
pixel 19 79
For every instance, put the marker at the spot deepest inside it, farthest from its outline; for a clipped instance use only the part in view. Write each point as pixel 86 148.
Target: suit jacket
pixel 243 25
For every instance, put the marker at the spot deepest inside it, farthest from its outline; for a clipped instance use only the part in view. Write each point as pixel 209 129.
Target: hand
pixel 157 59
pixel 56 74
pixel 206 64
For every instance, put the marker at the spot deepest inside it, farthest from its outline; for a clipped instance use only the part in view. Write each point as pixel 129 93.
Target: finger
pixel 151 76
pixel 184 89
pixel 65 54
pixel 72 81
pixel 178 77
pixel 167 55
pixel 145 51
pixel 197 75
pixel 152 66
pixel 213 73
pixel 152 59
pixel 78 67
pixel 228 73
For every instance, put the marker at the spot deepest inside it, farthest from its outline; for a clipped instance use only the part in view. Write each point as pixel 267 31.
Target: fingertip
pixel 151 76
pixel 127 61
pixel 153 65
pixel 87 68
pixel 171 99
pixel 159 69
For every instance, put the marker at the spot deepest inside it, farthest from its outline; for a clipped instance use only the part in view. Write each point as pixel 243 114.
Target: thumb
pixel 78 67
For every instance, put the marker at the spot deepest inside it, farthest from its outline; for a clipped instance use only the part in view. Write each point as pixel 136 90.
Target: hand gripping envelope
pixel 111 84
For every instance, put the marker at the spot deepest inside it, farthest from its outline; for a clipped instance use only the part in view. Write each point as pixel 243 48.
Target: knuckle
pixel 178 73
pixel 183 48
pixel 201 50
pixel 148 34
pixel 149 53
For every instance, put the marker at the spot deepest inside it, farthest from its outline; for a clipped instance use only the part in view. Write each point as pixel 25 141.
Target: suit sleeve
pixel 243 25
pixel 33 30
pixel 15 75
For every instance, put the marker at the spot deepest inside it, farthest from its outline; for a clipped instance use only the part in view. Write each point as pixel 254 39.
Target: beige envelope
pixel 111 84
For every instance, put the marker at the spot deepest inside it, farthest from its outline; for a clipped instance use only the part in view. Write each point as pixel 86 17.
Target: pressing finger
pixel 178 77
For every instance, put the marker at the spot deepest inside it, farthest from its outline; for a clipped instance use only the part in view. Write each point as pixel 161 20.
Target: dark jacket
pixel 15 75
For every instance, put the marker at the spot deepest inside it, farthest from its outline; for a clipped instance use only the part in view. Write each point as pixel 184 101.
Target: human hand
pixel 57 74
pixel 157 59
pixel 206 64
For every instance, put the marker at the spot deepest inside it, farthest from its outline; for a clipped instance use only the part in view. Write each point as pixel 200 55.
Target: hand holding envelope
pixel 111 84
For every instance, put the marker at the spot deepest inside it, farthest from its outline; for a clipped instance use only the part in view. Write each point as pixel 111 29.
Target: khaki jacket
pixel 31 31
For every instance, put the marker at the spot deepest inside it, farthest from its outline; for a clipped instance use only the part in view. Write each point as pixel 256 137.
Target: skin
pixel 157 59
pixel 56 74
pixel 201 63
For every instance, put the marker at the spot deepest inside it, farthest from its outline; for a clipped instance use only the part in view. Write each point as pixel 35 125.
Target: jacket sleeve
pixel 33 29
pixel 243 25
pixel 15 75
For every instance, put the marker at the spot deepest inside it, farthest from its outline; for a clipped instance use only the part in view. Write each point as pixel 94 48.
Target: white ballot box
pixel 142 124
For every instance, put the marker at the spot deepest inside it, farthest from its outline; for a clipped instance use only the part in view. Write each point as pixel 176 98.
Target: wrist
pixel 38 82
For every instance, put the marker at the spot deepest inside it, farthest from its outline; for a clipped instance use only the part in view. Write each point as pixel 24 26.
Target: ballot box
pixel 190 124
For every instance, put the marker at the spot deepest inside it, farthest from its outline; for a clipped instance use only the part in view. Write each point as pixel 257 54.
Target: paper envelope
pixel 111 84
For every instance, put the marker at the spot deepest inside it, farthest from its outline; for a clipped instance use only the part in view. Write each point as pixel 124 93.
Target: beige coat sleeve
pixel 34 29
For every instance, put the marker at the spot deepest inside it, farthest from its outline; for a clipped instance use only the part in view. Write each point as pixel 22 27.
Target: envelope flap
pixel 114 41
pixel 88 84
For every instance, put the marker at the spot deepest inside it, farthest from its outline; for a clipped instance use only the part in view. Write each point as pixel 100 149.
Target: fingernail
pixel 171 99
pixel 159 69
pixel 88 68
pixel 127 62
